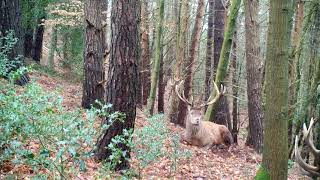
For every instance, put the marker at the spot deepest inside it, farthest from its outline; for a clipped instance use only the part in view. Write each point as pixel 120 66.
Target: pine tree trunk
pixel 275 148
pixel 53 47
pixel 182 29
pixel 223 65
pixel 254 75
pixel 193 56
pixel 38 41
pixel 209 54
pixel 156 65
pixel 145 53
pixel 122 74
pixel 93 84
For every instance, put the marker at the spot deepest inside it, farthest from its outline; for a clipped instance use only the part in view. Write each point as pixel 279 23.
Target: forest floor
pixel 235 162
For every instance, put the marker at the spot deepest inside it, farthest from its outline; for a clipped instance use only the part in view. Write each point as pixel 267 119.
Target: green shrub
pixel 65 139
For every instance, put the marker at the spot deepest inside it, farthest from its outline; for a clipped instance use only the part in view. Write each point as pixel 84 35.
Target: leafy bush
pixel 36 131
pixel 7 43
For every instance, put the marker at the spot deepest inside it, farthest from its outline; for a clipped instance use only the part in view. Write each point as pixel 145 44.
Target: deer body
pixel 205 133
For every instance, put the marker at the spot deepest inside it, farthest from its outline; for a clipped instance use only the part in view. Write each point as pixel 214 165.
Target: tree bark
pixel 161 85
pixel 223 66
pixel 145 53
pixel 275 149
pixel 182 29
pixel 156 65
pixel 53 47
pixel 209 54
pixel 10 19
pixel 254 75
pixel 235 90
pixel 38 41
pixel 28 42
pixel 93 84
pixel 193 56
pixel 222 115
pixel 122 74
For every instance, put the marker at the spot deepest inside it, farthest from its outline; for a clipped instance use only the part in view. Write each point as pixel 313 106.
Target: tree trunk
pixel 10 19
pixel 275 149
pixel 38 41
pixel 235 90
pixel 93 84
pixel 223 115
pixel 156 63
pixel 145 53
pixel 122 73
pixel 53 47
pixel 182 29
pixel 193 56
pixel 223 64
pixel 28 42
pixel 161 85
pixel 209 56
pixel 254 75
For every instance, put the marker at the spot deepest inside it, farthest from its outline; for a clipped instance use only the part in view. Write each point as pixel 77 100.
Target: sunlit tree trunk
pixel 93 84
pixel 53 47
pixel 275 148
pixel 122 75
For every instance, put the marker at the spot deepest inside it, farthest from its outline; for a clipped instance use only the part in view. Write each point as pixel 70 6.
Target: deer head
pixel 195 113
pixel 308 138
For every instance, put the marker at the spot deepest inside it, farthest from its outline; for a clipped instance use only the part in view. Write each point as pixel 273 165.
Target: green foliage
pixel 150 140
pixel 7 43
pixel 38 132
pixel 262 174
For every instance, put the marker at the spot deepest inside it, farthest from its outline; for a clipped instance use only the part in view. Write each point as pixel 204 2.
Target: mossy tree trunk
pixel 224 55
pixel 275 149
pixel 156 63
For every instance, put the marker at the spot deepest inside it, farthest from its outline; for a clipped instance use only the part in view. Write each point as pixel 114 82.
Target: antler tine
pixel 307 134
pixel 307 167
pixel 183 98
pixel 223 90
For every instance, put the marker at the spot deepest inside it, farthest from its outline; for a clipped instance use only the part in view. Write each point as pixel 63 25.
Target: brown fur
pixel 205 133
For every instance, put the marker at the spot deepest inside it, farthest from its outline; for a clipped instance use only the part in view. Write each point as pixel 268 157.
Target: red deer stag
pixel 203 133
pixel 310 170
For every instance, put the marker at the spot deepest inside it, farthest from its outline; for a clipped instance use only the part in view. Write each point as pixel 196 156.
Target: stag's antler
pixel 307 136
pixel 182 98
pixel 219 93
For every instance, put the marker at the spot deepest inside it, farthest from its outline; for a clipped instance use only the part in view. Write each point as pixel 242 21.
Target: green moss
pixel 262 174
